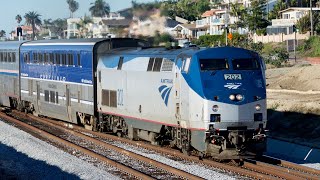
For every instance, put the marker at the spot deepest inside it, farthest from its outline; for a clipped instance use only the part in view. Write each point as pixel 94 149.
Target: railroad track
pixel 137 166
pixel 258 169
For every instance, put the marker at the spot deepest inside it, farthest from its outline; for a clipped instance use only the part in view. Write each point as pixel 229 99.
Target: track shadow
pixel 16 165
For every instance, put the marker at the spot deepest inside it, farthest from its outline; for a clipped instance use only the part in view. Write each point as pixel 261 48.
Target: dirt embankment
pixel 293 97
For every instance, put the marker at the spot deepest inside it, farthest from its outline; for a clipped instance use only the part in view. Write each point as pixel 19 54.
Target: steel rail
pixel 175 153
pixel 167 168
pixel 51 137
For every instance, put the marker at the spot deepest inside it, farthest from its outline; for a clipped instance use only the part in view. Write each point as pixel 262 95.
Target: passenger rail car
pixel 9 73
pixel 58 76
pixel 211 100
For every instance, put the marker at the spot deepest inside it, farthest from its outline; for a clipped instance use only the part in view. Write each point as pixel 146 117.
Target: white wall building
pixel 289 17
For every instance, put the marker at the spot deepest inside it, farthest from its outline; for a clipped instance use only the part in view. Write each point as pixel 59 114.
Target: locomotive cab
pixel 232 87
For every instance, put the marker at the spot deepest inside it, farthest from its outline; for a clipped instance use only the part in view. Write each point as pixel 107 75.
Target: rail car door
pixel 68 102
pixel 181 88
pixel 38 97
pixel 177 86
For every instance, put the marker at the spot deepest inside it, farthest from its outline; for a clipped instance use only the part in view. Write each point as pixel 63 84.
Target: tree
pixel 83 26
pixel 58 26
pixel 256 18
pixel 2 33
pixel 190 10
pixel 73 6
pixel 33 19
pixel 99 8
pixel 239 11
pixel 18 18
pixel 304 24
pixel 47 23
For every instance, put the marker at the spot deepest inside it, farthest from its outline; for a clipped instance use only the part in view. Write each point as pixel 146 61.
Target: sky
pixel 50 9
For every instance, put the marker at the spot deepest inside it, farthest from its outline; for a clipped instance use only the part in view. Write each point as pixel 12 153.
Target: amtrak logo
pixel 232 86
pixel 165 92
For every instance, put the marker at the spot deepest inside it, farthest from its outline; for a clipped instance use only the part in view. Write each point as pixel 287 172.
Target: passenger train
pixel 206 100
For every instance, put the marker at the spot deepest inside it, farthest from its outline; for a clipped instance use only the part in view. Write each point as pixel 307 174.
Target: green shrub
pixel 277 57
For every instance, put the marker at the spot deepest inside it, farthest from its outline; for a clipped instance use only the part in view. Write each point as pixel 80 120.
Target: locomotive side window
pixel 213 64
pixel 245 64
pixel 186 64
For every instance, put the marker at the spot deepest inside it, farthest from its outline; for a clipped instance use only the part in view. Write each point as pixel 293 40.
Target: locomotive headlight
pixel 239 97
pixel 258 107
pixel 232 97
pixel 215 108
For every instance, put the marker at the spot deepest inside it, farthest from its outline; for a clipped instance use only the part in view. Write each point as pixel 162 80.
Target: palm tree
pixel 18 18
pixel 33 19
pixel 99 8
pixel 73 6
pixel 47 23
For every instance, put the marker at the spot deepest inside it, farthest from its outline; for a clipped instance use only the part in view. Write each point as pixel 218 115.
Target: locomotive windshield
pixel 245 64
pixel 213 64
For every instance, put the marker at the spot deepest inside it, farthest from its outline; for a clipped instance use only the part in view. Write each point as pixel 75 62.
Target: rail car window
pixel 78 59
pixel 5 58
pixel 63 59
pixel 120 63
pixel 57 98
pixel 58 61
pixel 52 96
pixel 14 57
pixel 1 56
pixel 40 59
pixel 245 64
pixel 9 56
pixel 46 95
pixel 26 57
pixel 35 57
pixel 213 64
pixel 51 55
pixel 70 60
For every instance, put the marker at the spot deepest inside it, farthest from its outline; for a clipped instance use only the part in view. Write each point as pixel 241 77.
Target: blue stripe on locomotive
pixel 211 84
pixel 74 74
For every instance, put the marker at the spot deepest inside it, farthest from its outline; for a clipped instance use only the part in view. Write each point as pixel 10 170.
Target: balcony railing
pixel 283 22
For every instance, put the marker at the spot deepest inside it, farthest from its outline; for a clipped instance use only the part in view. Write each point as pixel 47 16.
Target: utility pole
pixel 311 18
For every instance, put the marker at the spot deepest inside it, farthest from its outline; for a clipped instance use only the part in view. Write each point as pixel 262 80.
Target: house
pixel 26 32
pixel 97 27
pixel 185 31
pixel 289 17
